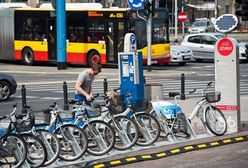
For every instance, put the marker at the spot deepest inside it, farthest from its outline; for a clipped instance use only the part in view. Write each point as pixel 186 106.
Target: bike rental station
pixel 125 121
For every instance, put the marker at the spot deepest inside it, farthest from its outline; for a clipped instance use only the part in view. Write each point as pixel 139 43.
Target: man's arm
pixel 81 91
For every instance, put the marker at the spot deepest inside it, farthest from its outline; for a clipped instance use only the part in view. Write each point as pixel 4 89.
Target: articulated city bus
pixel 93 35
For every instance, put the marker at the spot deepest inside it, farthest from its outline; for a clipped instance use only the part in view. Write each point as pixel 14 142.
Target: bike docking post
pixel 105 86
pixel 182 87
pixel 24 102
pixel 66 106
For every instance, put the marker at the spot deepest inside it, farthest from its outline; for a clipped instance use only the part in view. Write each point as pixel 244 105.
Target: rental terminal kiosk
pixel 131 77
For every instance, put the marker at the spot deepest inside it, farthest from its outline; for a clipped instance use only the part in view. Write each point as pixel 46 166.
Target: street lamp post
pixel 176 21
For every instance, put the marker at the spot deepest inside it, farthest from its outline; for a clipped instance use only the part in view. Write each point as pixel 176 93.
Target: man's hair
pixel 96 67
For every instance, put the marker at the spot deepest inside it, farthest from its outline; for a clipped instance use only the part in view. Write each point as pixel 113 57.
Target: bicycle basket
pixel 93 111
pixel 166 109
pixel 213 97
pixel 24 122
pixel 116 105
pixel 42 117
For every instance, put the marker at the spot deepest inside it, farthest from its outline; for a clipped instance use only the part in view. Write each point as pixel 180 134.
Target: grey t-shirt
pixel 86 80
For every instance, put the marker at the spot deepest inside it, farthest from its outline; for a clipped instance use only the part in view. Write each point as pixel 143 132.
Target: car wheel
pixel 28 56
pixel 182 63
pixel 93 58
pixel 4 90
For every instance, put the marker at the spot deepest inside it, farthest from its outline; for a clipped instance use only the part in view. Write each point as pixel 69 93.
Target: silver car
pixel 203 44
pixel 201 26
pixel 180 54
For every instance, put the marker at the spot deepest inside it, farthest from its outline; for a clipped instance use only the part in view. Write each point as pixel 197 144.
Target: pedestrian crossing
pixel 168 85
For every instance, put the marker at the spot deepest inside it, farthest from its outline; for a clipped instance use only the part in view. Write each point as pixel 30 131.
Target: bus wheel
pixel 93 58
pixel 28 56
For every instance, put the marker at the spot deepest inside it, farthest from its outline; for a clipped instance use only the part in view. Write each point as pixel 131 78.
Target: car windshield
pixel 199 23
pixel 219 36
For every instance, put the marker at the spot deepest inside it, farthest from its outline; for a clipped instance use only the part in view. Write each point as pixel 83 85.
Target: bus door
pixel 115 39
pixel 52 40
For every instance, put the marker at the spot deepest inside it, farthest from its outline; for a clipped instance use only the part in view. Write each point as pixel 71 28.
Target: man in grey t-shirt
pixel 84 84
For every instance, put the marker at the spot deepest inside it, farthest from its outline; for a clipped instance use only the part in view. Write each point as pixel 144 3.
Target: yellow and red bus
pixel 93 35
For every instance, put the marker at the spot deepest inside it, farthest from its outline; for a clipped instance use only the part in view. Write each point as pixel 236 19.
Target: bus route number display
pixel 136 4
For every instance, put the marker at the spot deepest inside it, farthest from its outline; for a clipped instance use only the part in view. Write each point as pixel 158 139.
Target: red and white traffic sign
pixel 182 17
pixel 225 47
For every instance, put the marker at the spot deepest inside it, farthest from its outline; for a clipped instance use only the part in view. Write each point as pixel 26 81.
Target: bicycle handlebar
pixel 203 90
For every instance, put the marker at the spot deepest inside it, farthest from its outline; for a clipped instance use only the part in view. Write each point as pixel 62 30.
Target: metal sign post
pixel 227 81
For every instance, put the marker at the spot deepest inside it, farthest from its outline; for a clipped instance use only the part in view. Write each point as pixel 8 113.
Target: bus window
pixel 30 28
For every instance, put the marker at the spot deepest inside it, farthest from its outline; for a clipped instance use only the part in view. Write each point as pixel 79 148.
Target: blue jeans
pixel 82 98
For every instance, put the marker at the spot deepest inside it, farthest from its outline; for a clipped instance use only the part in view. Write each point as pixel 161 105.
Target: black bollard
pixel 24 99
pixel 182 87
pixel 105 86
pixel 66 106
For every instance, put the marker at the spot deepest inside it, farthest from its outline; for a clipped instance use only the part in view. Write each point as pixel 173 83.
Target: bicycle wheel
pixel 215 121
pixel 161 121
pixel 149 129
pixel 52 145
pixel 101 137
pixel 73 142
pixel 36 150
pixel 126 131
pixel 13 151
pixel 180 127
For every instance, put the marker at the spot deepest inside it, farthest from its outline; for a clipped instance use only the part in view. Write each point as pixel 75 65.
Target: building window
pixel 227 9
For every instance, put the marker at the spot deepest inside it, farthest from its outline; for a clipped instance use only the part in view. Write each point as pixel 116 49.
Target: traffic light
pixel 244 9
pixel 149 7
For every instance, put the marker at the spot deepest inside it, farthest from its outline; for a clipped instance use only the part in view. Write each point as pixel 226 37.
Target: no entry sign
pixel 182 17
pixel 225 47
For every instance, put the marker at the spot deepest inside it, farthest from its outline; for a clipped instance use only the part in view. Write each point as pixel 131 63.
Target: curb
pixel 171 152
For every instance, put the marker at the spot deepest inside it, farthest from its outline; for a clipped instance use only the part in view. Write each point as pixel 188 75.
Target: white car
pixel 202 45
pixel 201 26
pixel 180 54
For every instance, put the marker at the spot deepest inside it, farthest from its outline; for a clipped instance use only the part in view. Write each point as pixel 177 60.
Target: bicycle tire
pixel 36 150
pixel 220 125
pixel 154 128
pixel 181 126
pixel 11 147
pixel 52 145
pixel 160 119
pixel 129 135
pixel 73 142
pixel 106 137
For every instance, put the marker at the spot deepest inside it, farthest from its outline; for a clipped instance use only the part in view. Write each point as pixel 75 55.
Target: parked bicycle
pixel 101 136
pixel 73 141
pixel 126 129
pixel 23 125
pixel 13 149
pixel 211 117
pixel 148 125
